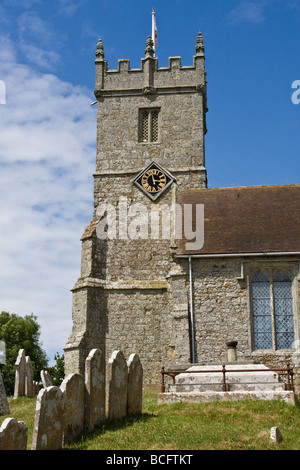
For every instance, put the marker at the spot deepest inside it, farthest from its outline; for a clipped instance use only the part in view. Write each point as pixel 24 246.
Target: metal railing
pixel 287 371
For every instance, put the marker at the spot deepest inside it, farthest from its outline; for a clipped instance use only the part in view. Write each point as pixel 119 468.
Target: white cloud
pixel 69 7
pixel 33 30
pixel 249 11
pixel 47 157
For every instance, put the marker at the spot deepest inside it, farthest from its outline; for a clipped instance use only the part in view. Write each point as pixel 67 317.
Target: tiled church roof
pixel 257 219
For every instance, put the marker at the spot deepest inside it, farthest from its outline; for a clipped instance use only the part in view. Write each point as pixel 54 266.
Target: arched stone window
pixel 272 310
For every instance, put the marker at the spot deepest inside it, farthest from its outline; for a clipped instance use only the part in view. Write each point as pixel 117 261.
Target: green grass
pixel 205 426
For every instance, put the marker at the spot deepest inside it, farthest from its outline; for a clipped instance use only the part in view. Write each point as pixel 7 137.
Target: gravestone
pixel 46 379
pixel 20 365
pixel 135 385
pixel 49 419
pixel 36 388
pixel 116 386
pixel 29 383
pixel 2 353
pixel 275 435
pixel 74 390
pixel 94 389
pixel 13 435
pixel 4 406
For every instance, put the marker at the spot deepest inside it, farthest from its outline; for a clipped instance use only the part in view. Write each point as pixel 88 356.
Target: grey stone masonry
pixel 126 293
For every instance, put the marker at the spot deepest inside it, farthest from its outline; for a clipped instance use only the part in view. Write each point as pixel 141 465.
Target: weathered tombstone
pixel 4 406
pixel 275 435
pixel 46 379
pixel 94 389
pixel 116 386
pixel 2 353
pixel 74 390
pixel 49 419
pixel 36 387
pixel 135 385
pixel 29 385
pixel 13 435
pixel 20 374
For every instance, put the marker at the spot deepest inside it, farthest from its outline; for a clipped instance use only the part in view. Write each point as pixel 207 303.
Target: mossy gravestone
pixel 4 406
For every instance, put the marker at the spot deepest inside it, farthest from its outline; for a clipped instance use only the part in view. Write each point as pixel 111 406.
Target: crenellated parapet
pixel 150 79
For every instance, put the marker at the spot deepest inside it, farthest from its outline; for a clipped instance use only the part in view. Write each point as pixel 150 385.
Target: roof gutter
pixel 239 255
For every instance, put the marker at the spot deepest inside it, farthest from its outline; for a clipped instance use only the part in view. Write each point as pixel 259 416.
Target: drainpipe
pixel 192 311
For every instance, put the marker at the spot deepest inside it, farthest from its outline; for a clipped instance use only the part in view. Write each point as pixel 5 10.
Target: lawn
pixel 244 425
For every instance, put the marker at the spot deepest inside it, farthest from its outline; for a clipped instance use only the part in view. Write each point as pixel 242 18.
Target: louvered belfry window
pixel 148 125
pixel 272 309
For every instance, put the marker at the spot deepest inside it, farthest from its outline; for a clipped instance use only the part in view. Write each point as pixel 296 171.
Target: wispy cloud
pixel 47 153
pixel 36 39
pixel 69 7
pixel 249 12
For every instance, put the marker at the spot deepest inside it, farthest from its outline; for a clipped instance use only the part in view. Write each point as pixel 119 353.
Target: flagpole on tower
pixel 154 30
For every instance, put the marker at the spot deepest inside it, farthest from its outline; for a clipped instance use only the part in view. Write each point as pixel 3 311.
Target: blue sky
pixel 48 128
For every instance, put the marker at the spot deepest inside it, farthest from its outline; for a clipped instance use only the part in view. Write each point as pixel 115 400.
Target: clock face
pixel 153 180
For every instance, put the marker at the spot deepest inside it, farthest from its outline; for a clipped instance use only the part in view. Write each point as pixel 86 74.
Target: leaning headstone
pixel 74 390
pixel 46 379
pixel 94 389
pixel 20 374
pixel 29 385
pixel 4 406
pixel 116 386
pixel 49 419
pixel 275 435
pixel 13 435
pixel 2 352
pixel 135 385
pixel 36 387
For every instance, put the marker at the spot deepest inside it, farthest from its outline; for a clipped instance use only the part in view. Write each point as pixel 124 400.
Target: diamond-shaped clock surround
pixel 154 166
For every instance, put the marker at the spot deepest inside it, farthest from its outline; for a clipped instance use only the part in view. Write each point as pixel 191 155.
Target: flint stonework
pixel 116 391
pixel 123 298
pixel 49 419
pixel 132 293
pixel 135 385
pixel 95 371
pixel 74 390
pixel 13 435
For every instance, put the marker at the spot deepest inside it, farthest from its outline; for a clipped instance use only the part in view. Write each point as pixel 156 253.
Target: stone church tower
pixel 132 294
